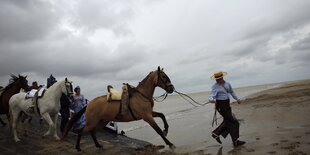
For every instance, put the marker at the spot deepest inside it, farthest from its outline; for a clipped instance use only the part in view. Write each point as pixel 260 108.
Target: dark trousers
pixel 230 124
pixel 65 114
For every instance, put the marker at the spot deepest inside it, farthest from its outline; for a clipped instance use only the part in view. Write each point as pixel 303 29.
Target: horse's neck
pixel 54 91
pixel 147 88
pixel 14 90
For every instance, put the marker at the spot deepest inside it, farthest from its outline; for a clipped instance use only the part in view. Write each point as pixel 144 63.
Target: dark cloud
pixel 97 14
pixel 97 42
pixel 25 20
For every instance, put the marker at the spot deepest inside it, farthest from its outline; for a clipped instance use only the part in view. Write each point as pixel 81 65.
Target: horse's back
pixel 102 109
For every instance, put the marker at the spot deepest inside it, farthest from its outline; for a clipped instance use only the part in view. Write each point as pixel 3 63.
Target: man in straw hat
pixel 220 96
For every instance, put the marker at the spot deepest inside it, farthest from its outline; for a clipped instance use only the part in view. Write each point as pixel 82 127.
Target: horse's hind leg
pixel 15 116
pixel 93 135
pixel 162 116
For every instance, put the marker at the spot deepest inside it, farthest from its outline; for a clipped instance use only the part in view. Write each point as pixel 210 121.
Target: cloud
pixel 25 20
pixel 96 43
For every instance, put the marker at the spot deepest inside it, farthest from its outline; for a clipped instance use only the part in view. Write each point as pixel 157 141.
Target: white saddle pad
pixel 33 92
pixel 114 94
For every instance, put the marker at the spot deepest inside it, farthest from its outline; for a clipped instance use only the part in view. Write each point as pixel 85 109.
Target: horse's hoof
pixel 17 140
pixel 57 138
pixel 172 147
pixel 78 149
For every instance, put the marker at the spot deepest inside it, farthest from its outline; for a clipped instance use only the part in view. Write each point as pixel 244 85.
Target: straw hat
pixel 218 75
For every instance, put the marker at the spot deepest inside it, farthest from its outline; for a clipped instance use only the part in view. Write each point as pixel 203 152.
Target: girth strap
pixel 131 112
pixel 36 98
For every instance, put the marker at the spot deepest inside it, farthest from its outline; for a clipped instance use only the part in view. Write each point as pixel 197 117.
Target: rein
pixel 190 99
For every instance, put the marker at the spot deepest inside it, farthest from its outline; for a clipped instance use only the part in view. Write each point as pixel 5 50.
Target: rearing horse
pixel 99 110
pixel 13 88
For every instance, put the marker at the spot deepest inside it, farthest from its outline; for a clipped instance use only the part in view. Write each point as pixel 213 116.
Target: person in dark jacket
pixel 64 111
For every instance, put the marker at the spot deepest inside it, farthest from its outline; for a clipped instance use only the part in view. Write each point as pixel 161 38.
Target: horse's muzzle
pixel 170 89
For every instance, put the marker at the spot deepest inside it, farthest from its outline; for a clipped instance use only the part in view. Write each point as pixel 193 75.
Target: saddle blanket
pixel 114 94
pixel 32 92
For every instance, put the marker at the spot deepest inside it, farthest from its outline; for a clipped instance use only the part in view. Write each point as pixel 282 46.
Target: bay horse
pixel 14 87
pixel 48 106
pixel 99 110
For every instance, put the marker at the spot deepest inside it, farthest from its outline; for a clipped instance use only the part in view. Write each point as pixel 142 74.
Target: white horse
pixel 49 106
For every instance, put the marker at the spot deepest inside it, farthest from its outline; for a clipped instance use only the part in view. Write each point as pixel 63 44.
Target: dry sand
pixel 274 121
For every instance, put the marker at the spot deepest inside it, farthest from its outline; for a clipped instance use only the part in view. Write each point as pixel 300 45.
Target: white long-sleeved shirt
pixel 218 92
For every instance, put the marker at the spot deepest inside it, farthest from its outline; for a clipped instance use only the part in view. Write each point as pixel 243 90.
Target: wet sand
pixel 274 121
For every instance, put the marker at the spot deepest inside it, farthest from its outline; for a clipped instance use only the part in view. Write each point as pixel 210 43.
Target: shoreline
pixel 273 121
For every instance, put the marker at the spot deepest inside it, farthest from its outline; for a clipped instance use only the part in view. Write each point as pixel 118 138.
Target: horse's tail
pixel 74 119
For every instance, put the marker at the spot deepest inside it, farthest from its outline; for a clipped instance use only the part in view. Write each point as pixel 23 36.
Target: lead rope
pixel 192 101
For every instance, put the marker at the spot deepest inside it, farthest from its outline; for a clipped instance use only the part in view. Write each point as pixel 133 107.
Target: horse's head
pixel 163 81
pixel 68 89
pixel 22 82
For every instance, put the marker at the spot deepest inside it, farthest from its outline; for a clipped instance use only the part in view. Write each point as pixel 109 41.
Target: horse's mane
pixel 13 79
pixel 143 81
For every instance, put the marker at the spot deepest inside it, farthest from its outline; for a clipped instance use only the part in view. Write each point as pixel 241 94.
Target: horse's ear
pixel 158 68
pixel 162 69
pixel 26 76
pixel 66 80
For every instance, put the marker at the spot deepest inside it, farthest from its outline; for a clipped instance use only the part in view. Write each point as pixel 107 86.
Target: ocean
pixel 188 125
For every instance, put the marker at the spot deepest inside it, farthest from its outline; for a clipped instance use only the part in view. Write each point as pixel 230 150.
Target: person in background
pixel 220 92
pixel 50 81
pixel 34 85
pixel 77 104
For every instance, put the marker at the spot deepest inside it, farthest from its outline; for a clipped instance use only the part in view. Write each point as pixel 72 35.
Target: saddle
pixel 35 94
pixel 123 96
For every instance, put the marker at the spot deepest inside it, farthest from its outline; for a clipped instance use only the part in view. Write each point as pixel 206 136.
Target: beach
pixel 273 120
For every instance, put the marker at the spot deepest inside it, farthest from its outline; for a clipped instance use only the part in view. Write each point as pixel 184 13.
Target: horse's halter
pixel 165 82
pixel 69 88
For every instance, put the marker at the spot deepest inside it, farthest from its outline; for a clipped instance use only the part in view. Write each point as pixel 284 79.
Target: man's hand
pixel 212 101
pixel 239 101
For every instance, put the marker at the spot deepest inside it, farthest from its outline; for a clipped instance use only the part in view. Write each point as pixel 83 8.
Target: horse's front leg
pixel 47 118
pixel 162 116
pixel 154 125
pixel 55 127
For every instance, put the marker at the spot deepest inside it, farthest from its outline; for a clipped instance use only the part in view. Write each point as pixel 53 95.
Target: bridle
pixel 159 78
pixel 69 90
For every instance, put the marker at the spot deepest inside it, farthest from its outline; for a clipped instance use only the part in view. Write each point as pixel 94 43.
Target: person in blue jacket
pixel 77 104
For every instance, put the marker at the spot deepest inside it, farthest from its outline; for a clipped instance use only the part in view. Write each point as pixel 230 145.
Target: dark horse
pixel 99 110
pixel 11 89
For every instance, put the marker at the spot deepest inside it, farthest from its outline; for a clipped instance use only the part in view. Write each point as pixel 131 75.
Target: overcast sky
pixel 101 42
